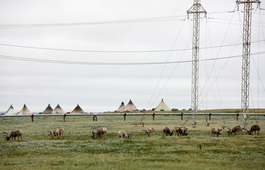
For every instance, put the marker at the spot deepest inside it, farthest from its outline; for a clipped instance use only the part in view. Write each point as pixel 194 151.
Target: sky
pixel 78 33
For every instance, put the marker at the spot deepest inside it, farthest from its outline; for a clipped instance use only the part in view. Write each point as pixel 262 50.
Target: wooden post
pixel 32 117
pixel 154 116
pixel 124 116
pixel 181 115
pixel 64 117
pixel 95 118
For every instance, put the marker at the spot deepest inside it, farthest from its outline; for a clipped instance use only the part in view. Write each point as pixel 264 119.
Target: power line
pixel 116 51
pixel 111 63
pixel 155 19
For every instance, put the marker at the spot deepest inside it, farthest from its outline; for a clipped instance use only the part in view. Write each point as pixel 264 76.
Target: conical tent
pixel 130 106
pixel 58 110
pixel 121 108
pixel 48 110
pixel 25 111
pixel 78 109
pixel 162 106
pixel 11 111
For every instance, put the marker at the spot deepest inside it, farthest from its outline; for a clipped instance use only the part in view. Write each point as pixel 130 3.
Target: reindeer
pixel 237 129
pixel 253 128
pixel 61 132
pixel 216 132
pixel 139 123
pixel 56 133
pixel 149 131
pixel 99 133
pixel 123 135
pixel 13 135
pixel 167 132
pixel 181 131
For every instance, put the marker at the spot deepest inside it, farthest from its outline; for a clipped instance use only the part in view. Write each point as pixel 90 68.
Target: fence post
pixel 124 116
pixel 210 116
pixel 181 115
pixel 32 117
pixel 154 116
pixel 237 116
pixel 95 118
pixel 64 117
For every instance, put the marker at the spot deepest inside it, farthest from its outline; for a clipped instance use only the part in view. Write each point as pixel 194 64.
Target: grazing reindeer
pixel 13 135
pixel 139 123
pixel 237 129
pixel 99 133
pixel 61 132
pixel 216 132
pixel 56 133
pixel 166 131
pixel 149 131
pixel 181 131
pixel 253 128
pixel 123 135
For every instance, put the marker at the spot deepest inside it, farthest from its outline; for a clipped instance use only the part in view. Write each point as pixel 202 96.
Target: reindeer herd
pixel 236 130
pixel 101 132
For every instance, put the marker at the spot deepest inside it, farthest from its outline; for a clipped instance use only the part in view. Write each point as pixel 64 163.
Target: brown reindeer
pixel 99 133
pixel 216 132
pixel 149 131
pixel 123 135
pixel 181 131
pixel 13 135
pixel 57 133
pixel 237 129
pixel 254 128
pixel 139 123
pixel 166 131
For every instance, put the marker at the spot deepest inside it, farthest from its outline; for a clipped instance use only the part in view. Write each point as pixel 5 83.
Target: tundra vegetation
pixel 78 150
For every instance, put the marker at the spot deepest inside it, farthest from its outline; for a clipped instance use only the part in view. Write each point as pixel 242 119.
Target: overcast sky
pixel 146 25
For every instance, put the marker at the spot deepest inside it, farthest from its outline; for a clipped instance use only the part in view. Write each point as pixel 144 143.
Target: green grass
pixel 78 150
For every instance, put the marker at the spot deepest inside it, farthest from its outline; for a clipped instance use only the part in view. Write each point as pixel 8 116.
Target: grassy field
pixel 78 150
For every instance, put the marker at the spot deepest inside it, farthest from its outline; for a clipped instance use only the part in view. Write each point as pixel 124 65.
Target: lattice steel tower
pixel 196 10
pixel 246 54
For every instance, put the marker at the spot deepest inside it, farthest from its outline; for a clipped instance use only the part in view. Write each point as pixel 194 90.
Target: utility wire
pixel 113 63
pixel 116 51
pixel 155 19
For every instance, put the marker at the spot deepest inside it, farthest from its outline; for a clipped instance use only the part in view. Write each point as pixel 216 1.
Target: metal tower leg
pixel 246 56
pixel 196 10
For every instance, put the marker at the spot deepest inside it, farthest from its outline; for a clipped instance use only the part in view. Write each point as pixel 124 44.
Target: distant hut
pixel 25 111
pixel 121 108
pixel 48 110
pixel 162 106
pixel 78 109
pixel 130 106
pixel 11 111
pixel 58 110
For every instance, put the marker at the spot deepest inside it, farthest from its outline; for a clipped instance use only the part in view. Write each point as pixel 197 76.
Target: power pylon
pixel 196 10
pixel 246 55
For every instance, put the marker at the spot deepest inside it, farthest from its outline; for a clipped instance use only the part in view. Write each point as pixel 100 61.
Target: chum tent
pixel 162 106
pixel 48 110
pixel 11 111
pixel 25 111
pixel 58 110
pixel 130 106
pixel 78 109
pixel 121 108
